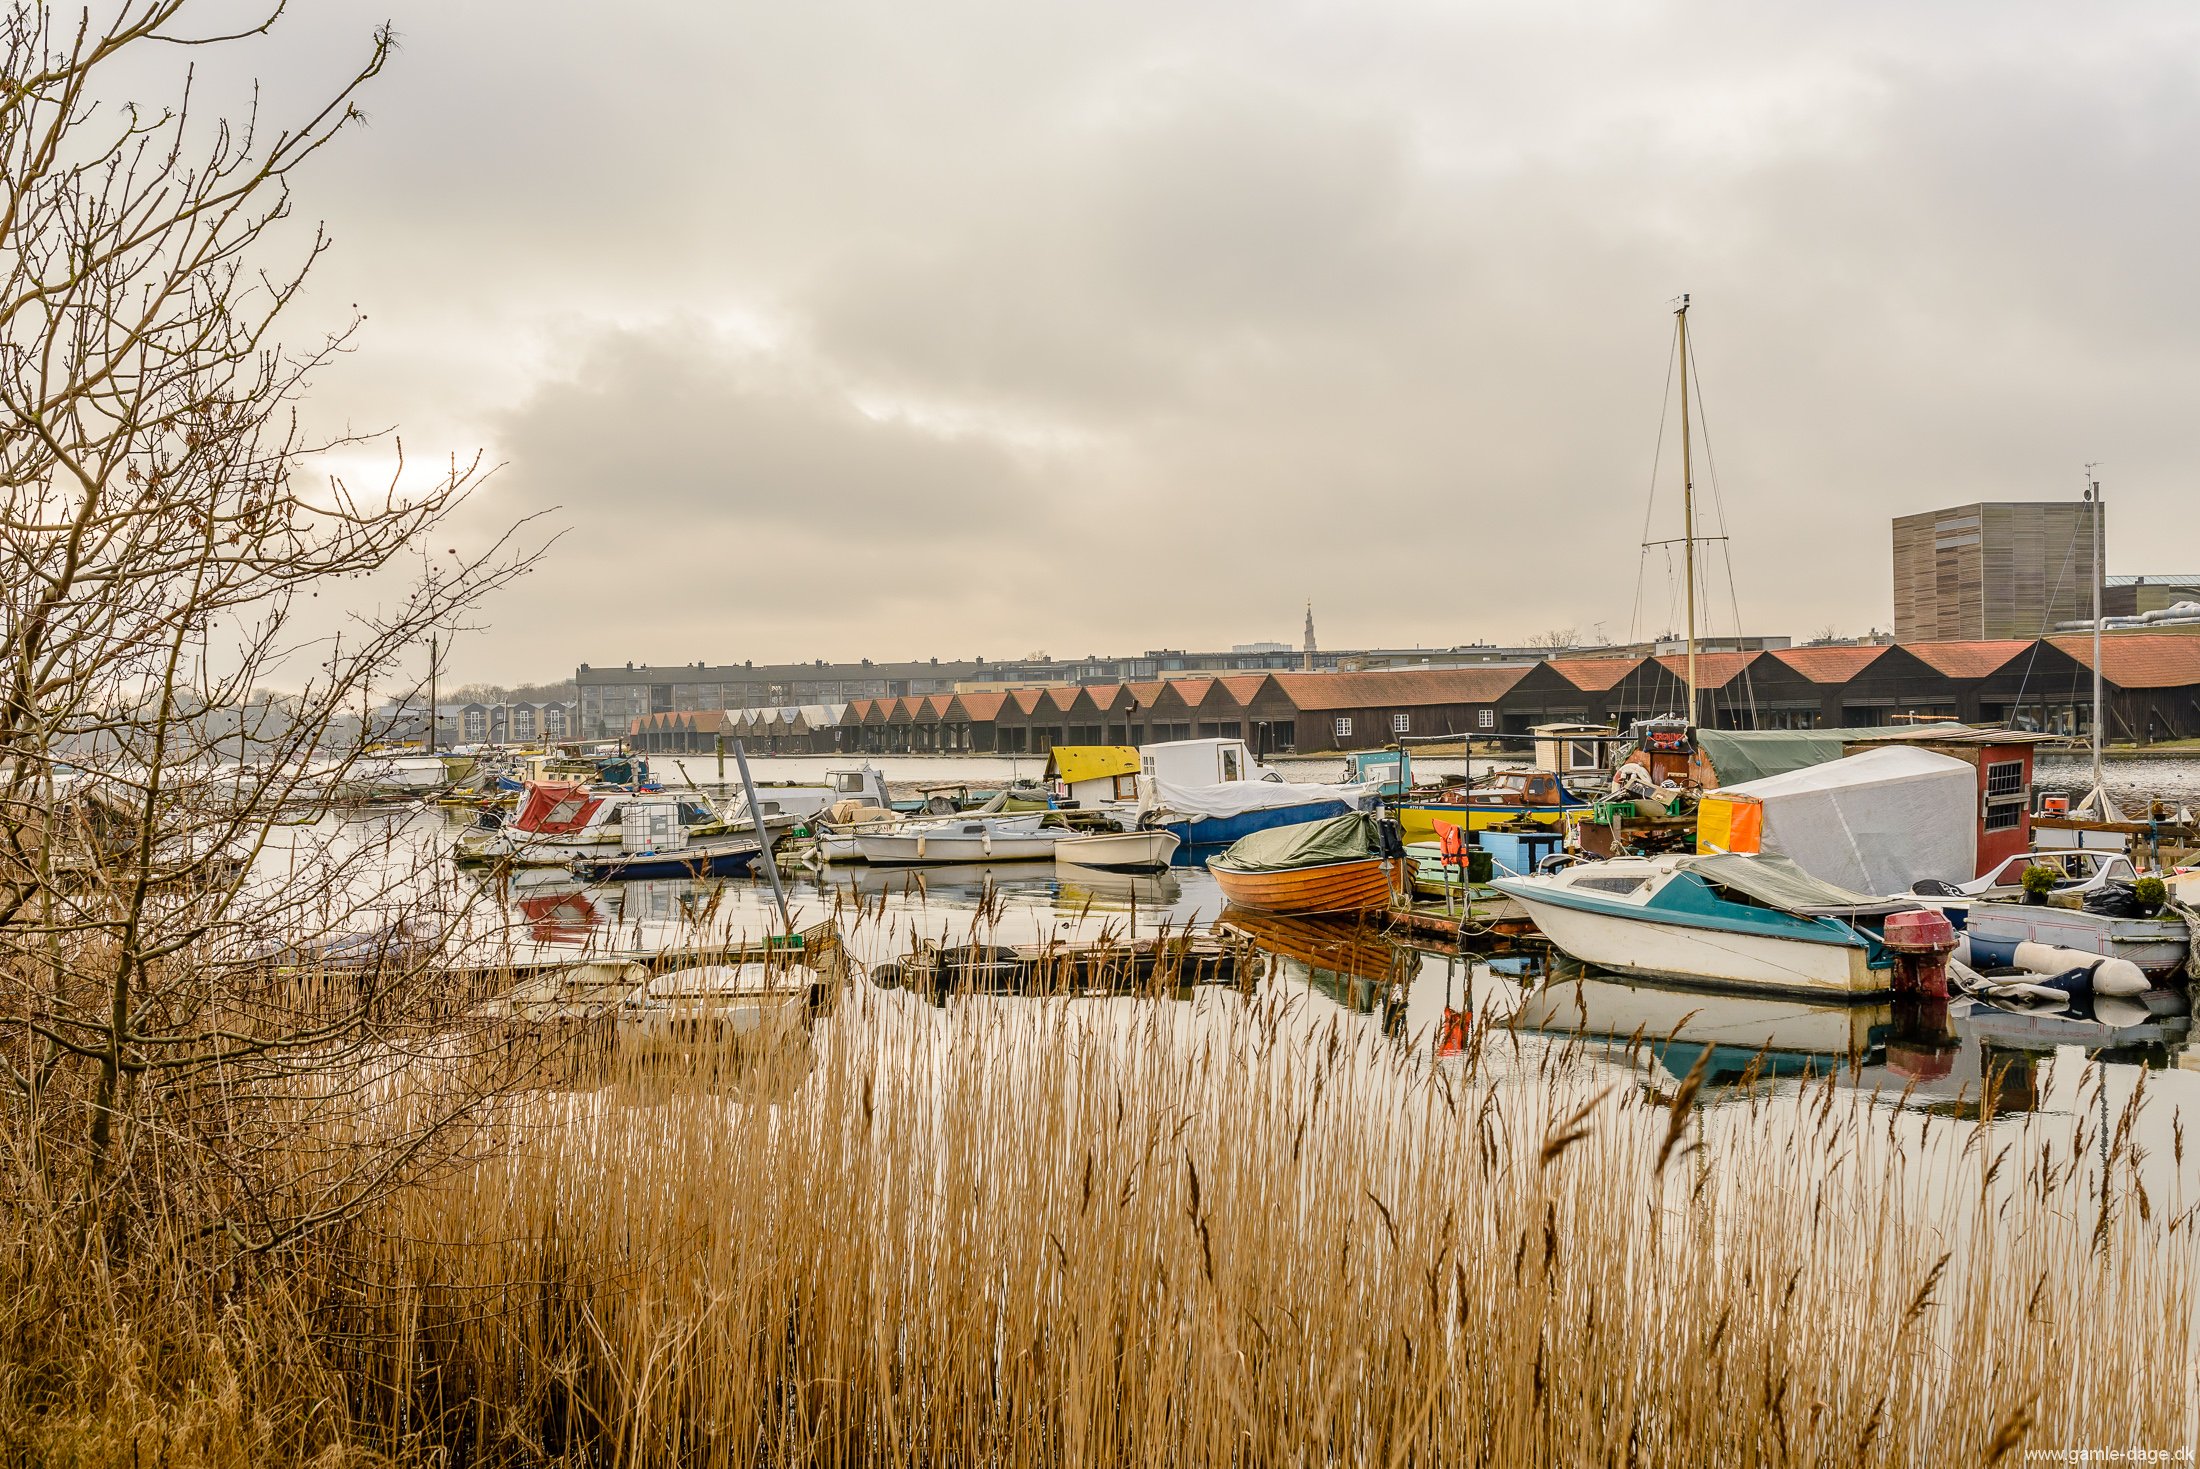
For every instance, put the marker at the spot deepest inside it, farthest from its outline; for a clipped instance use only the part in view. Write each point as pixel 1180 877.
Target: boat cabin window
pixel 1230 769
pixel 848 784
pixel 1126 788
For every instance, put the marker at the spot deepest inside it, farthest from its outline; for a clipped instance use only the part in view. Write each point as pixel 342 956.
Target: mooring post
pixel 763 837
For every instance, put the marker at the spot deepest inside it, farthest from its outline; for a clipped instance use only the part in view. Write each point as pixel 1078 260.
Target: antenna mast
pixel 1688 507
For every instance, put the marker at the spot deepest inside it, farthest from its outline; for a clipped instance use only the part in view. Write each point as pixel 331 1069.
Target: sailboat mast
pixel 1688 509
pixel 2093 498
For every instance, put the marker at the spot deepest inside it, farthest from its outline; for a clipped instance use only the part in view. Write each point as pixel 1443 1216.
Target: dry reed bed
pixel 1245 1230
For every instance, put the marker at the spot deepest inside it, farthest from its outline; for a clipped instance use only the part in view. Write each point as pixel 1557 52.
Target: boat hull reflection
pixel 1677 1028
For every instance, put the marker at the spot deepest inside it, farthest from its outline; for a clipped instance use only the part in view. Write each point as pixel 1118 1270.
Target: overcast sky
pixel 845 328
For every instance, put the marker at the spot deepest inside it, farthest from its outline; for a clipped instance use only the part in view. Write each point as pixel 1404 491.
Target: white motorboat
pixel 804 800
pixel 2078 872
pixel 1021 836
pixel 559 820
pixel 1759 922
pixel 1130 851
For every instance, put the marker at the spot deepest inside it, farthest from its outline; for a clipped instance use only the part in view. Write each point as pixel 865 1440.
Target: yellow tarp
pixel 1730 824
pixel 1073 763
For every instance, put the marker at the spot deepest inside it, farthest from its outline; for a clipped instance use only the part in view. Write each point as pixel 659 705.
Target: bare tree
pixel 175 1010
pixel 1558 639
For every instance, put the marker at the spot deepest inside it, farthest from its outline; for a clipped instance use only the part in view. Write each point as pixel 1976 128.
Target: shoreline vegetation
pixel 1214 1225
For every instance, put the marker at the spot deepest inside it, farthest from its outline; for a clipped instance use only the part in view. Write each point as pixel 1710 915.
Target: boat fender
pixel 2109 976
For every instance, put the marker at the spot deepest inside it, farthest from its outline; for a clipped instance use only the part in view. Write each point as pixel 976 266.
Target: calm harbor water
pixel 1932 1066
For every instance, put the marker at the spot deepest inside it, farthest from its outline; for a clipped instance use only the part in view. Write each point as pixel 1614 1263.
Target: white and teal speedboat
pixel 1761 923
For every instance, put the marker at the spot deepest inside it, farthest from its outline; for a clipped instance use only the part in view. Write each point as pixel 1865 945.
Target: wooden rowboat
pixel 1360 886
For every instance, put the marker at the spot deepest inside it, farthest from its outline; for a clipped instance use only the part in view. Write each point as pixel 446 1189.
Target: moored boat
pixel 1330 866
pixel 1503 797
pixel 1021 836
pixel 726 856
pixel 2159 946
pixel 1212 792
pixel 1130 851
pixel 1758 922
pixel 2079 873
pixel 559 821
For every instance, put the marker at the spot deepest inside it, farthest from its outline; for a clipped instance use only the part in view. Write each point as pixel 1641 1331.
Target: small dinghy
pixel 1332 866
pixel 1119 851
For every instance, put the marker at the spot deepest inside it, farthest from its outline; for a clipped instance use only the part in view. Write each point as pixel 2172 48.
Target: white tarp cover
pixel 1876 822
pixel 1236 797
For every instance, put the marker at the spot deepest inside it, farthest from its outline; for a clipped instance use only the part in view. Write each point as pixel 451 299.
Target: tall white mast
pixel 1688 508
pixel 2100 566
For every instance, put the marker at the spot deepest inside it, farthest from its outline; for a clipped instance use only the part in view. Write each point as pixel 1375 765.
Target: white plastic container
pixel 651 826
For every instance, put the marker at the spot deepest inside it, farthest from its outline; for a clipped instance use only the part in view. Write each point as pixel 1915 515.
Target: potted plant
pixel 2039 881
pixel 2151 893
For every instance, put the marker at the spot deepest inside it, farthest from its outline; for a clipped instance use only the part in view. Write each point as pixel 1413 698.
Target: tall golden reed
pixel 1239 1227
pixel 1116 1232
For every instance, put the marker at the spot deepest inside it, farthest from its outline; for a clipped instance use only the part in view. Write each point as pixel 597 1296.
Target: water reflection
pixel 1736 1038
pixel 1951 1060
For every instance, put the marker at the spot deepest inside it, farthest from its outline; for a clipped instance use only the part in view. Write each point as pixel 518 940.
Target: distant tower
pixel 1309 636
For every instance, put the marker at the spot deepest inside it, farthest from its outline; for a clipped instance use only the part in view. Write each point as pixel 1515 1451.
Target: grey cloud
pixel 1167 316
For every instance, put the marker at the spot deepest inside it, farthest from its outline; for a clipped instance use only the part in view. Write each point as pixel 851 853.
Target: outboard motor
pixel 1389 840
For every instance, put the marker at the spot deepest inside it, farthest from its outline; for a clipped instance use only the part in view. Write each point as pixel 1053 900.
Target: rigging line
pixel 2069 552
pixel 1650 508
pixel 1718 503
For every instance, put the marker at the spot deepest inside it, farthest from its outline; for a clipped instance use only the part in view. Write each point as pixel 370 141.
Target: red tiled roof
pixel 1025 700
pixel 1063 699
pixel 1713 670
pixel 980 707
pixel 1831 665
pixel 1594 675
pixel 1244 687
pixel 2139 660
pixel 1967 657
pixel 1398 687
pixel 1192 690
pixel 1151 695
pixel 901 711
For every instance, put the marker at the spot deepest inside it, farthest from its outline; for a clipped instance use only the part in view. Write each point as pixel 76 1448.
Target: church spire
pixel 1310 635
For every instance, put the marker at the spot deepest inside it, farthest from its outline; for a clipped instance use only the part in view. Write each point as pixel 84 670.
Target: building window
pixel 1485 719
pixel 553 722
pixel 1401 724
pixel 2006 797
pixel 476 723
pixel 1344 726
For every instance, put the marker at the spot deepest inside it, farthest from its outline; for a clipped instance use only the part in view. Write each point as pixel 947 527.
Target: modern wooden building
pixel 1994 569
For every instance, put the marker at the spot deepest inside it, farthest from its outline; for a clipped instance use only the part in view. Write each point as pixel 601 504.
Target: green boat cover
pixel 1347 838
pixel 1778 883
pixel 1739 755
